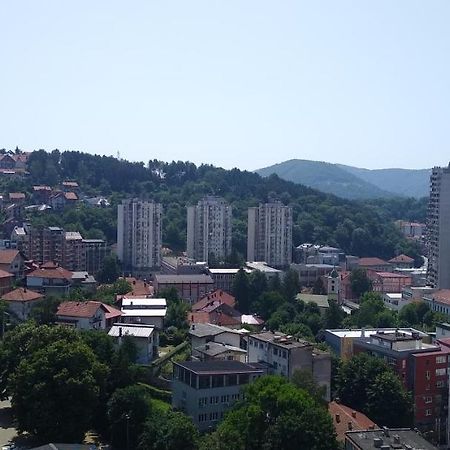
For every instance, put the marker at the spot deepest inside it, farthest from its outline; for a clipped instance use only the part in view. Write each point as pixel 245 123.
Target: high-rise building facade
pixel 209 230
pixel 269 235
pixel 139 235
pixel 438 228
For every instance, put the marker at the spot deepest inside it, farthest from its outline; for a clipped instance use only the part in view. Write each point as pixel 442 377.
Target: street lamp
pixel 127 417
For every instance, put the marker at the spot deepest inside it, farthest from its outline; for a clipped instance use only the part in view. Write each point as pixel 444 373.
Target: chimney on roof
pixel 350 425
pixel 338 418
pixel 354 414
pixel 193 326
pixel 24 289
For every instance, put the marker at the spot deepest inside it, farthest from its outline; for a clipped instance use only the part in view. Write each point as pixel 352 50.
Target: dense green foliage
pixel 275 415
pixel 367 384
pixel 318 217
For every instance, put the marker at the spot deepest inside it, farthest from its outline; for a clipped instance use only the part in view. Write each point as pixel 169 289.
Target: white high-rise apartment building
pixel 438 228
pixel 269 235
pixel 209 230
pixel 139 234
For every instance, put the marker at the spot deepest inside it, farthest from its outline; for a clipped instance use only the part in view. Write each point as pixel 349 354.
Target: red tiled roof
pixel 442 296
pixel 111 312
pixel 367 262
pixel 217 295
pixel 58 272
pixel 139 287
pixel 343 415
pixel 7 256
pixel 391 275
pixel 78 309
pixel 22 295
pixel 71 196
pixel 16 195
pixel 402 259
pixel 5 274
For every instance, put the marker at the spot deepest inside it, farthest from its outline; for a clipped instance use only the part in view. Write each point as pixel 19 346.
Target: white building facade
pixel 139 234
pixel 209 230
pixel 269 235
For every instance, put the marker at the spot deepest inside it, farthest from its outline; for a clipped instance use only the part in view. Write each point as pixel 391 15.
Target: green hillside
pixel 318 217
pixel 325 177
pixel 352 182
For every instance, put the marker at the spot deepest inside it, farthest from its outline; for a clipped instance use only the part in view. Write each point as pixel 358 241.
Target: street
pixel 7 431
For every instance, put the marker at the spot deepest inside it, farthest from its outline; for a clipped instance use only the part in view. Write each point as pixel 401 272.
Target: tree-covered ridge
pixel 318 217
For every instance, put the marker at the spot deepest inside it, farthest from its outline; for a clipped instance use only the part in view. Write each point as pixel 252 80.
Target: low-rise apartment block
pixel 285 355
pixel 205 390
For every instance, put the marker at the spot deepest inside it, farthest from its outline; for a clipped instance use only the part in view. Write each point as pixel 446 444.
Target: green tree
pixel 304 379
pixel 169 431
pixel 128 409
pixel 291 284
pixel 276 415
pixel 319 288
pixel 360 282
pixel 334 315
pixel 62 380
pixel 110 271
pixel 268 303
pixel 388 403
pixel 241 291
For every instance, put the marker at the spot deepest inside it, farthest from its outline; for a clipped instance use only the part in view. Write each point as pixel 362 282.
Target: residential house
pixel 216 295
pixel 97 202
pixel 347 419
pixel 71 198
pixel 309 273
pixel 57 200
pixel 50 278
pixel 205 390
pixel 189 287
pixel 70 186
pixel 12 261
pixel 214 350
pixel 91 315
pixel 6 280
pixel 41 193
pixel 145 338
pixel 376 264
pixel 285 355
pixel 149 311
pixel 383 282
pixel 202 333
pixel 21 301
pixel 402 262
pixel 17 198
pixel 83 281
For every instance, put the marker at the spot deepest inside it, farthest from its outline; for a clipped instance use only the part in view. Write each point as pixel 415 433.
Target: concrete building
pixel 74 254
pixel 393 438
pixel 422 369
pixel 269 234
pixel 95 251
pixel 139 235
pixel 189 287
pixel 284 355
pixel 21 301
pixel 205 390
pixel 203 333
pixel 438 301
pixel 209 230
pixel 149 311
pixel 145 338
pixel 438 228
pixel 223 352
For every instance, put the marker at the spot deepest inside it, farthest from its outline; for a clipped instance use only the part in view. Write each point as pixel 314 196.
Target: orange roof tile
pixel 402 259
pixel 71 196
pixel 343 416
pixel 22 295
pixel 58 272
pixel 372 262
pixel 217 295
pixel 78 309
pixel 7 256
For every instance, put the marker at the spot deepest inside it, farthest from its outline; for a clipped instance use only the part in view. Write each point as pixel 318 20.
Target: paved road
pixel 7 431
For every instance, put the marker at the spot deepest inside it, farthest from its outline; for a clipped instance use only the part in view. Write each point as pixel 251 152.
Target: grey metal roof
pixel 216 348
pixel 215 366
pixel 208 329
pixel 178 279
pixel 143 331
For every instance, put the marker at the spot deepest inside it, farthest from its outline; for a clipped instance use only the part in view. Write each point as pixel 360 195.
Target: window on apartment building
pixel 230 380
pixel 214 399
pixel 261 345
pixel 428 412
pixel 440 372
pixel 202 401
pixel 428 399
pixel 284 354
pixel 235 397
pixel 213 415
pixel 440 384
pixel 427 374
pixel 441 359
pixel 275 351
pixel 225 399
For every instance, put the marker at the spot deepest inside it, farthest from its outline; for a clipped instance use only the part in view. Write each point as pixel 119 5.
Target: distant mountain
pixel 352 182
pixel 405 182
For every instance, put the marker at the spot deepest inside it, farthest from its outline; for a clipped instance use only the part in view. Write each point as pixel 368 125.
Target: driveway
pixel 7 430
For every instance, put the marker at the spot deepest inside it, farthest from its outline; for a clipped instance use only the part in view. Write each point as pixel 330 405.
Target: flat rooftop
pixel 216 367
pixel 357 333
pixel 280 339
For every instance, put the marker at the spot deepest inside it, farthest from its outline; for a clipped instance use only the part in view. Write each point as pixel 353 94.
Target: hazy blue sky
pixel 236 83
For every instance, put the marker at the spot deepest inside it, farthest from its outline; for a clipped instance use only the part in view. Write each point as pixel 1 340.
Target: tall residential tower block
pixel 139 235
pixel 438 228
pixel 269 236
pixel 209 230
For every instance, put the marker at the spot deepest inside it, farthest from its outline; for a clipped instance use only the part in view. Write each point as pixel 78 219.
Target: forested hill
pixel 353 182
pixel 318 217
